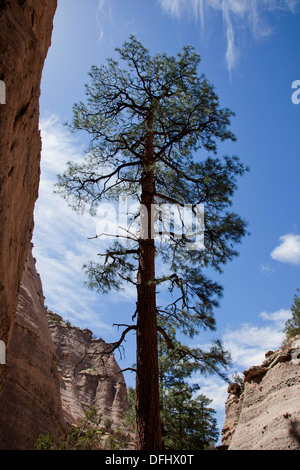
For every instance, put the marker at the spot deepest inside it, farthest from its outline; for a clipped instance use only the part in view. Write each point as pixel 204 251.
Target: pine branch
pixel 111 347
pixel 117 344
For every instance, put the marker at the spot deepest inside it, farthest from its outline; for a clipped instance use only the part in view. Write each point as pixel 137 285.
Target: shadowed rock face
pixel 30 403
pixel 30 398
pixel 55 372
pixel 264 414
pixel 25 36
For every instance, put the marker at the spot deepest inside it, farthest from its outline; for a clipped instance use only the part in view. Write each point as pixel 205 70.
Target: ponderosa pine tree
pixel 188 421
pixel 150 123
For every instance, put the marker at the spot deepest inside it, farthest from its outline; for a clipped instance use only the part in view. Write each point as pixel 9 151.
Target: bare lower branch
pixel 170 344
pixel 127 279
pixel 110 347
pixel 169 199
pixel 113 236
pixel 118 253
pixel 127 368
pixel 117 344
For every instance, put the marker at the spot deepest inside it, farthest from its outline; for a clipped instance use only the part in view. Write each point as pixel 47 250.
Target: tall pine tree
pixel 150 123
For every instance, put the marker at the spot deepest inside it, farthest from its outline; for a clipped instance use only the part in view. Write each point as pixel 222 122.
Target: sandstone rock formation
pixel 87 376
pixel 25 36
pixel 264 413
pixel 30 402
pixel 54 373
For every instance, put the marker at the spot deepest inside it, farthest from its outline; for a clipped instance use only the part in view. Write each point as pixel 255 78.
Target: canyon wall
pixel 55 372
pixel 25 36
pixel 30 402
pixel 38 394
pixel 263 413
pixel 89 374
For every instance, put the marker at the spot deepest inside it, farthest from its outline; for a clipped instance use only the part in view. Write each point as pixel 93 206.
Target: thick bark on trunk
pixel 148 431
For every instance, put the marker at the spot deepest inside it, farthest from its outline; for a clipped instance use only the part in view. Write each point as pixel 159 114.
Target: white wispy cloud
pixel 278 318
pixel 247 343
pixel 214 388
pixel 104 16
pixel 61 244
pixel 266 269
pixel 238 15
pixel 288 251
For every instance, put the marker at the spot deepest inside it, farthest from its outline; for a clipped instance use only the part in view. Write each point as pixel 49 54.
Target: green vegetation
pixel 88 434
pixel 188 422
pixel 292 326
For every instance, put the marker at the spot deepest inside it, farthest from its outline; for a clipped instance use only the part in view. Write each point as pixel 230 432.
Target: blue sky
pixel 250 52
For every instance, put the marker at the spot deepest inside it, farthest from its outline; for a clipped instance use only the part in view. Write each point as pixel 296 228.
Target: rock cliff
pixel 89 376
pixel 31 399
pixel 30 402
pixel 54 373
pixel 263 413
pixel 25 36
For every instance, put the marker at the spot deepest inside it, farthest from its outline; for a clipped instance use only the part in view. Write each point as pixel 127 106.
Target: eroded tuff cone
pixel 265 413
pixel 87 376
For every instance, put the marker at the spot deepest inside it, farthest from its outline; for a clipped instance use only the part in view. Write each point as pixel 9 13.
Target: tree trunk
pixel 148 431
